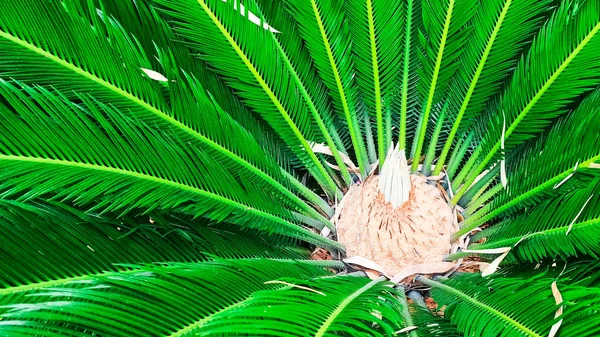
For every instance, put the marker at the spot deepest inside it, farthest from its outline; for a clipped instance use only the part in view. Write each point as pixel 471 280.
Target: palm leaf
pixel 160 162
pixel 325 33
pixel 79 56
pixel 213 25
pixel 409 98
pixel 561 167
pixel 541 91
pixel 503 306
pixel 88 245
pixel 127 166
pixel 563 226
pixel 157 39
pixel 431 324
pixel 500 31
pixel 149 300
pixel 313 90
pixel 374 27
pixel 320 307
pixel 445 28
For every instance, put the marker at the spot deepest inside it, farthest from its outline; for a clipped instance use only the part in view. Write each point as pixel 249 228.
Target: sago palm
pixel 168 166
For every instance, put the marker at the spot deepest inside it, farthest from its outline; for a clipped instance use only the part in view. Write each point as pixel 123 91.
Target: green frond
pixel 501 29
pixel 564 226
pixel 325 33
pixel 329 306
pixel 297 59
pixel 431 324
pixel 541 91
pixel 213 29
pixel 147 300
pixel 515 306
pixel 443 37
pixel 117 164
pixel 376 34
pixel 409 106
pixel 141 20
pixel 89 244
pixel 549 165
pixel 111 70
pixel 298 54
pixel 167 166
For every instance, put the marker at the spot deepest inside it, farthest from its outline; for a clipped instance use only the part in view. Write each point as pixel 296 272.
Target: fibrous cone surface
pixel 417 232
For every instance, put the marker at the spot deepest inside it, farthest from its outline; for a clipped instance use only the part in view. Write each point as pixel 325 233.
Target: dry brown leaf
pixel 558 299
pixel 449 184
pixel 365 263
pixel 407 329
pixel 483 266
pixel 494 265
pixel 443 192
pixel 431 304
pixel 324 149
pixel 578 214
pixel 594 166
pixel 321 254
pixel 373 168
pixel 424 268
pixel 296 286
pixel 457 265
pixel 438 177
pixel 373 275
pixel 155 75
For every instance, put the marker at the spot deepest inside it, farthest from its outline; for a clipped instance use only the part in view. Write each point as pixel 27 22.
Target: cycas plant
pixel 167 166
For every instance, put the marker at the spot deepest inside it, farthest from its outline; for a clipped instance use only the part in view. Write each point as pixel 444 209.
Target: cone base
pixel 417 232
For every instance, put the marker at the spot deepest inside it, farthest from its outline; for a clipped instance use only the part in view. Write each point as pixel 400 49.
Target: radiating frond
pixel 376 34
pixel 551 76
pixel 515 306
pixel 167 166
pixel 430 324
pixel 80 58
pixel 148 300
pixel 116 164
pixel 501 29
pixel 551 164
pixel 212 28
pixel 446 25
pixel 298 54
pixel 321 307
pixel 409 105
pixel 90 244
pixel 564 226
pixel 325 32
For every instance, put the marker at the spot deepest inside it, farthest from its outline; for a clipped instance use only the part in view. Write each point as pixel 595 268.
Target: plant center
pixel 417 232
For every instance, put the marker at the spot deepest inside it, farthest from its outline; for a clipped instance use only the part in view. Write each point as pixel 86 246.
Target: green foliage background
pixel 185 204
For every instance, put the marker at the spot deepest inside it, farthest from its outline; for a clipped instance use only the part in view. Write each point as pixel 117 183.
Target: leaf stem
pixel 378 104
pixel 436 71
pixel 405 75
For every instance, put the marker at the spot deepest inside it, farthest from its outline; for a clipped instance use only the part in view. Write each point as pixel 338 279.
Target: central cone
pixel 417 232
